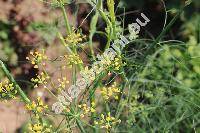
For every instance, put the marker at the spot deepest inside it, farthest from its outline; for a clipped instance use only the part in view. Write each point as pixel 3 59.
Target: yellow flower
pixel 37 58
pixel 93 104
pixel 7 90
pixel 88 74
pixel 117 64
pixel 74 38
pixel 106 62
pixel 36 107
pixel 107 121
pixel 86 109
pixel 109 92
pixel 41 79
pixel 93 110
pixel 73 59
pixel 39 109
pixel 38 127
pixel 62 83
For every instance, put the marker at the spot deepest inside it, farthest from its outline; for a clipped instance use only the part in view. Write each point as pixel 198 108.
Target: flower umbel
pixel 41 79
pixel 38 127
pixel 73 59
pixel 88 74
pixel 7 90
pixel 62 83
pixel 110 92
pixel 118 63
pixel 107 121
pixel 37 107
pixel 86 109
pixel 74 38
pixel 37 58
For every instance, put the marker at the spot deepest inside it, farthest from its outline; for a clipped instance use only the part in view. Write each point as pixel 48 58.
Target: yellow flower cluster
pixel 88 74
pixel 37 107
pixel 39 128
pixel 7 90
pixel 74 38
pixel 62 83
pixel 136 109
pixel 109 92
pixel 73 59
pixel 38 125
pixel 41 79
pixel 87 109
pixel 105 61
pixel 107 121
pixel 117 64
pixel 37 58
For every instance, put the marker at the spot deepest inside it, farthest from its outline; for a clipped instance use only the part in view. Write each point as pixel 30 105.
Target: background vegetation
pixel 155 89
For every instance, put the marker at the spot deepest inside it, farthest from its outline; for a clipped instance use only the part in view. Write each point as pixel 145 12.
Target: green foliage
pixel 7 52
pixel 156 84
pixel 165 94
pixel 45 30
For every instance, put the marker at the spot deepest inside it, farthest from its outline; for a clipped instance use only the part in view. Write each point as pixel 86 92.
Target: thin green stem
pixel 168 26
pixel 12 80
pixel 78 122
pixel 111 4
pixel 107 20
pixel 68 48
pixel 63 42
pixel 92 32
pixel 142 74
pixel 52 84
pixel 68 29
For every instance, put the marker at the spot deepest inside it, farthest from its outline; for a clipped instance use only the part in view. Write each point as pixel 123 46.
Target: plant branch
pixel 12 80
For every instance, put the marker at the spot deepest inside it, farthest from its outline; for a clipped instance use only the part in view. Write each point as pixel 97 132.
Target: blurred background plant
pixel 161 92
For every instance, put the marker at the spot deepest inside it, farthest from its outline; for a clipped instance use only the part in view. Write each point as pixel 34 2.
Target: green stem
pixel 107 20
pixel 12 80
pixel 168 26
pixel 68 49
pixel 92 32
pixel 93 115
pixel 63 42
pixel 68 29
pixel 111 4
pixel 109 40
pixel 142 74
pixel 78 122
pixel 52 84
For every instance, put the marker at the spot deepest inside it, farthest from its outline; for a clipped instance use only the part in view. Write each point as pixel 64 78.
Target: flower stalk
pixel 12 80
pixel 68 29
